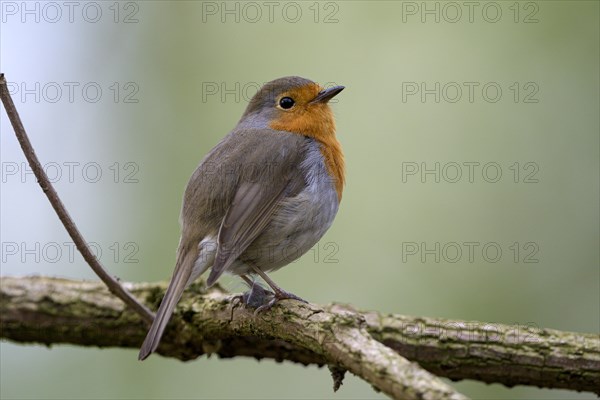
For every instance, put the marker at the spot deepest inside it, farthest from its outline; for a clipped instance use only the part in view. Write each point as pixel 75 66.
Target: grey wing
pixel 250 212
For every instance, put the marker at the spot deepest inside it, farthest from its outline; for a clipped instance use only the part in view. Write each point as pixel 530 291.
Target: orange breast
pixel 316 121
pixel 334 159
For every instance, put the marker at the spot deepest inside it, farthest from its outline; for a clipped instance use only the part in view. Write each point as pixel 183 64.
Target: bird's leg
pixel 249 281
pixel 254 284
pixel 257 296
pixel 279 293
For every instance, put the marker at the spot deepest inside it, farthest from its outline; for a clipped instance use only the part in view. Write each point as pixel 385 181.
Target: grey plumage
pixel 274 201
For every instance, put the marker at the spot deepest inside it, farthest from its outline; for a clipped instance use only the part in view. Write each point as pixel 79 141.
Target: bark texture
pixel 372 345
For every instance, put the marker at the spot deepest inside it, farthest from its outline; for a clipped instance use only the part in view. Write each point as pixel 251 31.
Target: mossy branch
pixel 369 344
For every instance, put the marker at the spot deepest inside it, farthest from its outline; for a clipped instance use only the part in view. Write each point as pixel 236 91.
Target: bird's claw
pixel 256 296
pixel 278 296
pixel 262 299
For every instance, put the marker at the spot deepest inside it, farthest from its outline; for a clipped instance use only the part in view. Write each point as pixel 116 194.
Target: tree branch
pixel 52 311
pixel 113 285
pixel 493 353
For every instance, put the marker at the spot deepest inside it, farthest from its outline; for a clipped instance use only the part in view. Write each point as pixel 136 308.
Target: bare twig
pixel 50 310
pixel 113 285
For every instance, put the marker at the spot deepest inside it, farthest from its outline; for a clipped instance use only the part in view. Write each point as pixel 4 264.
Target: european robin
pixel 262 197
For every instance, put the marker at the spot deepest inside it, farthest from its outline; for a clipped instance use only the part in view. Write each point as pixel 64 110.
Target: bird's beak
pixel 327 94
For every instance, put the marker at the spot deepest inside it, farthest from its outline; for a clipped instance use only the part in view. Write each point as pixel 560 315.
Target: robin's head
pixel 298 105
pixel 293 104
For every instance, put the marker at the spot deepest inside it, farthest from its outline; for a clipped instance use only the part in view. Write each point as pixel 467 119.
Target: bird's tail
pixel 186 256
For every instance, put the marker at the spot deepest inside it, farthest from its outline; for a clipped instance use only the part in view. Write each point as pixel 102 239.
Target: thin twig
pixel 113 285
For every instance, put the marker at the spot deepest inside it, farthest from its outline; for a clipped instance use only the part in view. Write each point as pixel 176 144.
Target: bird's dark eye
pixel 286 103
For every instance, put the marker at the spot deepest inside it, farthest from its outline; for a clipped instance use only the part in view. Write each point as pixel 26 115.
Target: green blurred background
pixel 176 76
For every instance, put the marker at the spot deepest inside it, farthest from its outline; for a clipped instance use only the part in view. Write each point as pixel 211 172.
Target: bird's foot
pixel 262 299
pixel 256 296
pixel 275 298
